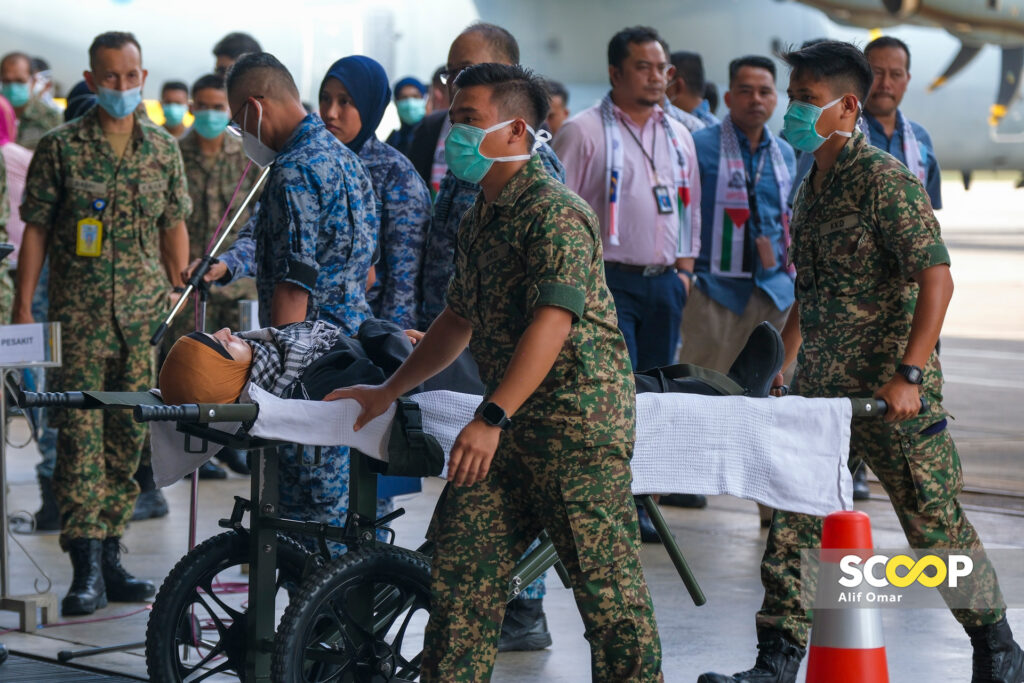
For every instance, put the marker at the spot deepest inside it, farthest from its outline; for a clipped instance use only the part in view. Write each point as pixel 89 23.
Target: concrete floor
pixel 983 357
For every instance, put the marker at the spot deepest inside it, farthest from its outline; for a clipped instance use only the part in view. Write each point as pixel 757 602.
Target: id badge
pixel 766 251
pixel 664 198
pixel 90 238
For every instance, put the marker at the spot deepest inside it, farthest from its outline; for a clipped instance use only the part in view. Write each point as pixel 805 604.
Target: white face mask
pixel 259 153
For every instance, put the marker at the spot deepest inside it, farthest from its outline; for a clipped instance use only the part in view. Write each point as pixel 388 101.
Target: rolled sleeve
pixel 908 225
pixel 296 213
pixel 559 254
pixel 179 203
pixel 43 185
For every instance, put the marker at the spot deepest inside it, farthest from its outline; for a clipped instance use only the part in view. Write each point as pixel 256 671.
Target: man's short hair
pixel 208 82
pixel 112 40
pixel 755 61
pixel 556 89
pixel 252 64
pixel 618 46
pixel 835 62
pixel 502 42
pixel 236 44
pixel 690 67
pixel 37 64
pixel 17 55
pixel 888 41
pixel 711 95
pixel 516 90
pixel 174 85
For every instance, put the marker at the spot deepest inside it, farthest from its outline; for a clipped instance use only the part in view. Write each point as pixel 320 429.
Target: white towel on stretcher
pixel 788 453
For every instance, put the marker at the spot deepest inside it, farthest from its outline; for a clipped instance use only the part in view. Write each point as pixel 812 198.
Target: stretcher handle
pixel 185 413
pixel 201 413
pixel 47 399
pixel 876 407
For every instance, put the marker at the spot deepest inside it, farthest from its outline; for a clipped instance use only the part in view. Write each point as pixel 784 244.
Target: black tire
pixel 318 639
pixel 176 645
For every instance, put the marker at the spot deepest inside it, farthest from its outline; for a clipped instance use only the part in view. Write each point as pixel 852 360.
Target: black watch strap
pixel 493 414
pixel 911 373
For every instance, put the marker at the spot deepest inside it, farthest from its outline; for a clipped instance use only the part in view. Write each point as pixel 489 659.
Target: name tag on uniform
pixel 845 223
pixel 90 238
pixel 664 198
pixel 489 258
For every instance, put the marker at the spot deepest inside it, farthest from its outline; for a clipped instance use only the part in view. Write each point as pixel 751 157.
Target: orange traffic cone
pixel 846 644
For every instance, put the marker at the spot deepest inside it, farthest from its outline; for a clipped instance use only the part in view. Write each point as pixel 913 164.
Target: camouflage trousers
pixel 582 498
pixel 922 475
pixel 98 450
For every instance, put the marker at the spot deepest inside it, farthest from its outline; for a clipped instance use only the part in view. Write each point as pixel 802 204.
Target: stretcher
pixel 348 619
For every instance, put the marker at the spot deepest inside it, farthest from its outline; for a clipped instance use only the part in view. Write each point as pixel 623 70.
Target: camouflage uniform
pixel 563 465
pixel 106 305
pixel 316 228
pixel 856 245
pixel 404 209
pixel 35 121
pixel 211 183
pixel 453 200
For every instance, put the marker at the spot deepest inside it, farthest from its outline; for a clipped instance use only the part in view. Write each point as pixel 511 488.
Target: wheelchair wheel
pixel 197 625
pixel 326 632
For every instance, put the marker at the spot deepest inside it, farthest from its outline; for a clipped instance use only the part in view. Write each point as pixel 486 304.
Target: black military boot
pixel 150 503
pixel 997 657
pixel 48 517
pixel 778 660
pixel 87 592
pixel 861 490
pixel 525 627
pixel 122 586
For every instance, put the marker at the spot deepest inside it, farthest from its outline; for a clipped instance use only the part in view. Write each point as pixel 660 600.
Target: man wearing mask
pixel 174 102
pixel 411 103
pixel 867 250
pixel 229 48
pixel 106 201
pixel 309 245
pixel 34 117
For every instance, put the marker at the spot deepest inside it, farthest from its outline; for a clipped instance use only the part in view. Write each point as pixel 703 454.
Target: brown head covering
pixel 199 370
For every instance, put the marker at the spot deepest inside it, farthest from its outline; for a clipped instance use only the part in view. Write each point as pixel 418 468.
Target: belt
pixel 646 271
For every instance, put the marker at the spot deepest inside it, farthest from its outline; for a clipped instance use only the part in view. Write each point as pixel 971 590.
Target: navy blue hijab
pixel 367 85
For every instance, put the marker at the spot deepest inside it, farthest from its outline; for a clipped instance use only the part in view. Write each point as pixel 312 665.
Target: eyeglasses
pixel 234 127
pixel 449 75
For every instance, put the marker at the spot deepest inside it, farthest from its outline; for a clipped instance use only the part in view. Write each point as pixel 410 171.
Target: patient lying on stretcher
pixel 309 359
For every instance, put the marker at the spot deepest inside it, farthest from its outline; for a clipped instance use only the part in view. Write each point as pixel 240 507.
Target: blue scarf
pixel 367 85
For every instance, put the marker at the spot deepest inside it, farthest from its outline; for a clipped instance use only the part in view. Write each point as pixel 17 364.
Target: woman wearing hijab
pixel 411 103
pixel 353 97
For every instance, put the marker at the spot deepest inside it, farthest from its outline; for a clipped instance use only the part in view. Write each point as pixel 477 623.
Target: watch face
pixel 493 414
pixel 912 373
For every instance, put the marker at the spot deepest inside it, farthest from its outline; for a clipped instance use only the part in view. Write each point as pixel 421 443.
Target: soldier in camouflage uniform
pixel 353 97
pixel 866 247
pixel 35 117
pixel 529 296
pixel 309 247
pixel 105 200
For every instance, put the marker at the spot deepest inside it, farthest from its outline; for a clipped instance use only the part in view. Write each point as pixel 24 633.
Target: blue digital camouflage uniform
pixel 453 200
pixel 403 202
pixel 316 227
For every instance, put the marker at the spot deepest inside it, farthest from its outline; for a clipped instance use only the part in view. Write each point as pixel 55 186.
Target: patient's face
pixel 236 347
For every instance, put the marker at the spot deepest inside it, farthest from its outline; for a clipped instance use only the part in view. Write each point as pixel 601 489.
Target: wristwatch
pixel 911 373
pixel 493 414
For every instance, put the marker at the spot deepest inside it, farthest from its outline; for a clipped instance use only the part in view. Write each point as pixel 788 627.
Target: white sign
pixel 21 344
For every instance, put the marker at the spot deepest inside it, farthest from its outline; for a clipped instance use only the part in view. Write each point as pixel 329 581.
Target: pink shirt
pixel 17 159
pixel 646 238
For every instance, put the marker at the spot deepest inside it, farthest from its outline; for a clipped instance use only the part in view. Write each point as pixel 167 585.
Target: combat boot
pixel 778 661
pixel 997 657
pixel 149 505
pixel 122 586
pixel 87 592
pixel 48 517
pixel 525 627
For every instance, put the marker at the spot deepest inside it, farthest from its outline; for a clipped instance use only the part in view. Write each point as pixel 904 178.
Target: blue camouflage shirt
pixel 403 203
pixel 454 198
pixel 316 227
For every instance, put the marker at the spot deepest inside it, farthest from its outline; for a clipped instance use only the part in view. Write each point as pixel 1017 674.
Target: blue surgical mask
pixel 173 113
pixel 411 110
pixel 462 150
pixel 16 93
pixel 799 125
pixel 211 122
pixel 119 103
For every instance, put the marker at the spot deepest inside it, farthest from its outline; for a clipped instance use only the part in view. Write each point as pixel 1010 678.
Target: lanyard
pixel 649 157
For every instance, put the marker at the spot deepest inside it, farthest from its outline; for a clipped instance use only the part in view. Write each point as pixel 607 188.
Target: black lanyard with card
pixel 662 193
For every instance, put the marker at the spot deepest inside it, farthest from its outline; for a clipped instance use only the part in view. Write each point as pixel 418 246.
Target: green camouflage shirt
pixel 35 121
pixel 143 193
pixel 211 182
pixel 856 245
pixel 538 244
